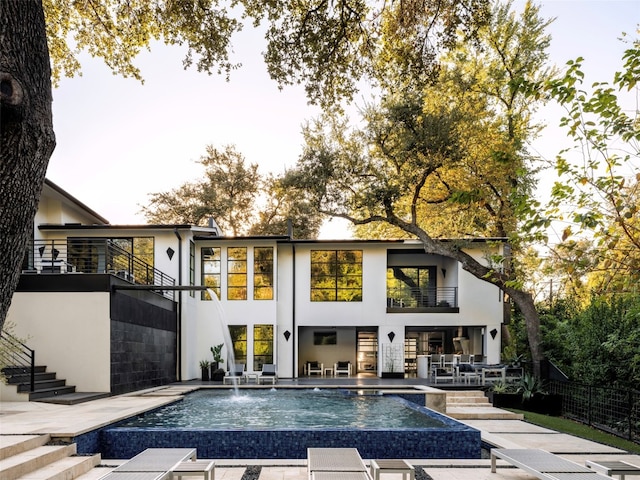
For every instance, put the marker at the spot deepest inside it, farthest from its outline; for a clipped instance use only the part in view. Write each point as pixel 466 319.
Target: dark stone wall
pixel 143 342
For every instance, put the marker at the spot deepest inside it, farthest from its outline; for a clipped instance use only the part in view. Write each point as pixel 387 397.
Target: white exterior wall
pixel 67 330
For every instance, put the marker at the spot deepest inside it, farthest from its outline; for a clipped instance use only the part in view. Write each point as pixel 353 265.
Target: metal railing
pixel 16 355
pixel 443 297
pixel 93 255
pixel 612 410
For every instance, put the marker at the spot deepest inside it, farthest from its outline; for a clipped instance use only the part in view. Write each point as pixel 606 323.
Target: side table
pixel 392 466
pixel 328 372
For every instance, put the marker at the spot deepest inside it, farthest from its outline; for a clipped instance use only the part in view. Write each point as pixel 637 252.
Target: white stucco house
pixel 92 306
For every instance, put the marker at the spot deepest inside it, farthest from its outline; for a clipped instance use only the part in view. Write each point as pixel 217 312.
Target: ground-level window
pixel 411 287
pixel 263 273
pixel 237 273
pixel 239 340
pixel 262 346
pixel 336 275
pixel 210 268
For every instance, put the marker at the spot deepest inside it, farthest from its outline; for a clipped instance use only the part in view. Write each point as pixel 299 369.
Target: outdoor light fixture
pixel 493 333
pixel 287 334
pixel 391 336
pixel 170 252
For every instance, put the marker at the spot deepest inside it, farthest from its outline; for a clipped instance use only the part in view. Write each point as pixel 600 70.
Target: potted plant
pixel 216 351
pixel 204 369
pixel 536 399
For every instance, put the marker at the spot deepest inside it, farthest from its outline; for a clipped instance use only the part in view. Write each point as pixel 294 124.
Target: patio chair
pixel 315 368
pixel 236 374
pixel 268 374
pixel 342 368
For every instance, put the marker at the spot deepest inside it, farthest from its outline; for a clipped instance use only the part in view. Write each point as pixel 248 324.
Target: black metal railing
pixel 15 355
pixel 613 410
pixel 444 297
pixel 93 255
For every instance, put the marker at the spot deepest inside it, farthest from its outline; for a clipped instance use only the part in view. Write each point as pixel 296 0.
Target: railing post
pixel 33 371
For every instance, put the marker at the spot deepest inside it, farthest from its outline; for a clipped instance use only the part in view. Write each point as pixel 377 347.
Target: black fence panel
pixel 612 410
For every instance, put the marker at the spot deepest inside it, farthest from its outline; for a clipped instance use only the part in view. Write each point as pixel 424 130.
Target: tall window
pixel 263 273
pixel 192 267
pixel 262 345
pixel 210 258
pixel 239 339
pixel 409 287
pixel 336 275
pixel 237 273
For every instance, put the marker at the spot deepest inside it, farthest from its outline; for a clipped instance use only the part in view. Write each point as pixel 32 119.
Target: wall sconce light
pixel 493 333
pixel 170 252
pixel 287 334
pixel 444 272
pixel 391 336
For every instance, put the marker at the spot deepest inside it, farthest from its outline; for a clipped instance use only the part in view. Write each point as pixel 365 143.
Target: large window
pixel 262 346
pixel 192 267
pixel 210 258
pixel 239 339
pixel 336 275
pixel 237 273
pixel 263 273
pixel 410 287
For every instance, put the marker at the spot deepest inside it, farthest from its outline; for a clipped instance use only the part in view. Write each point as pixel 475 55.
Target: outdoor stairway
pixel 30 457
pixel 474 405
pixel 47 387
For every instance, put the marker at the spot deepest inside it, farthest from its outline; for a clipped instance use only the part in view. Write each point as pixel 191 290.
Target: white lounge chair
pixel 342 368
pixel 336 464
pixel 268 374
pixel 543 465
pixel 236 374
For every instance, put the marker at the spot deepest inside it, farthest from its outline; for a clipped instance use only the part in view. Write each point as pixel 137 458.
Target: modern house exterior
pixel 117 308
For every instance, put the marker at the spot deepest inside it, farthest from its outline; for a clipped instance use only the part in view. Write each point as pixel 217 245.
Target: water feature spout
pixel 226 335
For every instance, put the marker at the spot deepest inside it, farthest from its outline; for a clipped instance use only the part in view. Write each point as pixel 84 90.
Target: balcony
pixel 428 300
pixel 93 255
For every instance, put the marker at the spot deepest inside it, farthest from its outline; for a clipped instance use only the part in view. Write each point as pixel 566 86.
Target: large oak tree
pixel 446 157
pixel 329 46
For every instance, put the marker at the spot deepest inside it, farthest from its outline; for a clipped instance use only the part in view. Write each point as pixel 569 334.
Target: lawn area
pixel 571 427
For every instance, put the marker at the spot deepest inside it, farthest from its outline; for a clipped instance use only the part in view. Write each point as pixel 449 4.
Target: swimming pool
pixel 283 423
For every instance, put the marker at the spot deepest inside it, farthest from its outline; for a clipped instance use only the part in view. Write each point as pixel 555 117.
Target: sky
pixel 119 140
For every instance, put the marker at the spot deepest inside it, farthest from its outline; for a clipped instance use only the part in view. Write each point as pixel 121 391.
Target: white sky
pixel 118 140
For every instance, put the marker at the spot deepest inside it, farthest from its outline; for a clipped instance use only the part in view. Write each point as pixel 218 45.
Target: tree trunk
pixel 26 132
pixel 525 302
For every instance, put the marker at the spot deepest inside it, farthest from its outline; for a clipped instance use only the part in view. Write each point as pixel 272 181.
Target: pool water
pixel 282 423
pixel 273 409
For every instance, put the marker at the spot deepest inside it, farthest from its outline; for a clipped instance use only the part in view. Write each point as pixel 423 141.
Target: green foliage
pixel 530 385
pixel 598 192
pixel 216 351
pixel 596 344
pixel 238 198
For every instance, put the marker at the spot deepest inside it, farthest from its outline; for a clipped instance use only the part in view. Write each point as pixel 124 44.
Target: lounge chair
pixel 315 368
pixel 342 368
pixel 268 374
pixel 543 465
pixel 236 374
pixel 151 464
pixel 336 464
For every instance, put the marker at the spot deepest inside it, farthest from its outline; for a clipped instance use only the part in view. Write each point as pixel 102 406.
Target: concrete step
pixel 476 400
pixel 95 473
pixel 67 468
pixel 11 445
pixel 482 413
pixel 24 463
